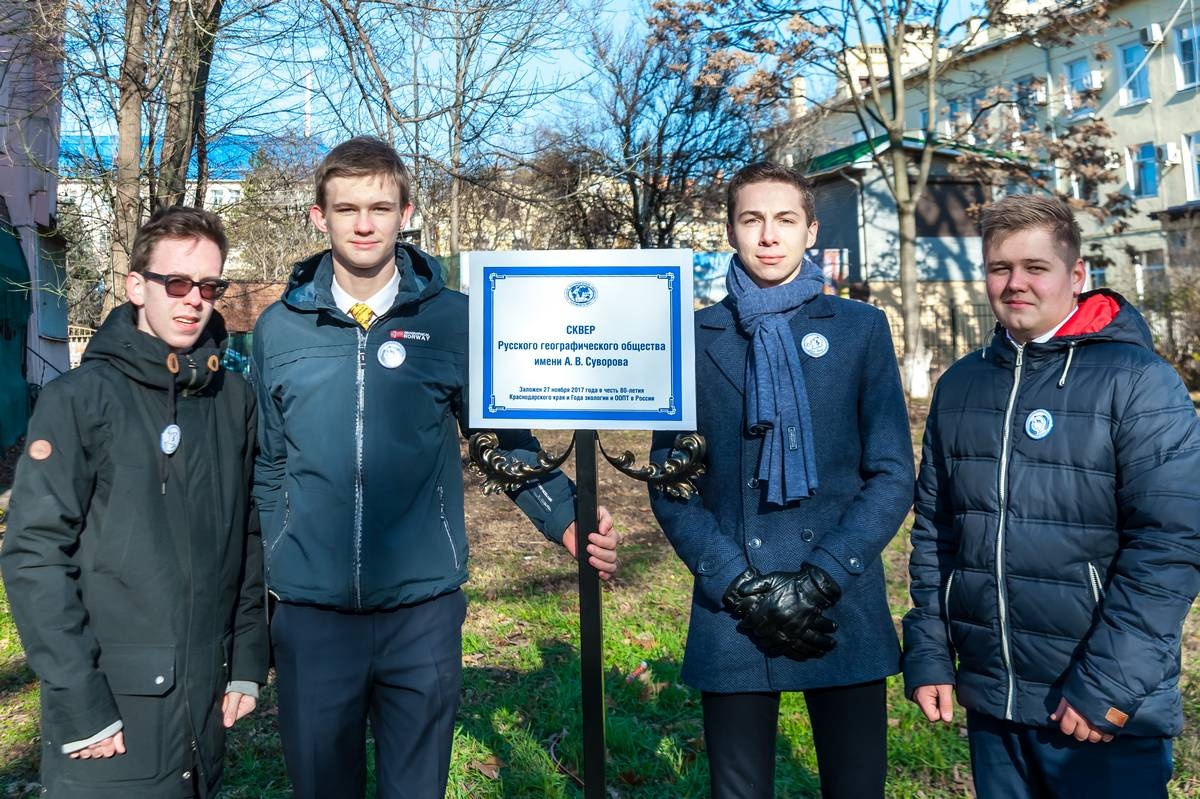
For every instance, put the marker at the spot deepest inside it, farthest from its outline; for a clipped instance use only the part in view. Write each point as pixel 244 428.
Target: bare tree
pixel 667 130
pixel 448 82
pixel 874 51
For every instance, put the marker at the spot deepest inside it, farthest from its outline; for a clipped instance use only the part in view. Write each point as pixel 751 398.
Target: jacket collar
pixel 310 286
pixel 728 349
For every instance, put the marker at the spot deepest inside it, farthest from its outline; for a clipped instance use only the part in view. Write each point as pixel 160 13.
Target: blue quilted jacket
pixel 1056 542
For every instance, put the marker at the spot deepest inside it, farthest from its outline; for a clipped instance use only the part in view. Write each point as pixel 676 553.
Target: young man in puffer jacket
pixel 1055 548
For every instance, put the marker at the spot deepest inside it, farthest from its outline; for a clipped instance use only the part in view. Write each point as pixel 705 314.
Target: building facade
pixel 33 308
pixel 1140 75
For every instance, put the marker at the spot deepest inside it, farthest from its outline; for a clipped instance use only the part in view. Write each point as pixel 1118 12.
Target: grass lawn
pixel 518 732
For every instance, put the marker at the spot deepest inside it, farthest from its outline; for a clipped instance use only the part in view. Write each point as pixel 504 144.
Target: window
pixel 1135 82
pixel 1192 159
pixel 1086 189
pixel 218 196
pixel 952 120
pixel 1187 50
pixel 1151 276
pixel 979 111
pixel 1143 170
pixel 923 120
pixel 1078 80
pixel 1097 275
pixel 1026 105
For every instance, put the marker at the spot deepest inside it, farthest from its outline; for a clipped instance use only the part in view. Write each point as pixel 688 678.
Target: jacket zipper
pixel 1097 584
pixel 360 382
pixel 946 597
pixel 1001 597
pixel 446 524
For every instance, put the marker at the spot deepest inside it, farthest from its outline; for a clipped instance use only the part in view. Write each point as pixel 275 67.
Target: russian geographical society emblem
pixel 580 293
pixel 1039 423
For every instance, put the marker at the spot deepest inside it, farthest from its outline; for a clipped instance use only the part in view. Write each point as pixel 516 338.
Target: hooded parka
pixel 135 576
pixel 1057 533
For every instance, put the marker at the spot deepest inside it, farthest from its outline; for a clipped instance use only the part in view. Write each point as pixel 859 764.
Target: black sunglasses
pixel 179 286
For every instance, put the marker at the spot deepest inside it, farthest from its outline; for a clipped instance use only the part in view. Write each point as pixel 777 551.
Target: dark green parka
pixel 134 576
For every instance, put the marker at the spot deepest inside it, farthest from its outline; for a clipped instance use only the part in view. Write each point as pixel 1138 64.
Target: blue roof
pixel 230 157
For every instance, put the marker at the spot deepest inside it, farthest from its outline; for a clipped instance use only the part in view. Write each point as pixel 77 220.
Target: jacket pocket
pixel 1096 583
pixel 142 681
pixel 283 528
pixel 446 525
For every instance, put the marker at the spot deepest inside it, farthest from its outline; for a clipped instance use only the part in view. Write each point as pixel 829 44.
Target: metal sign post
pixel 583 340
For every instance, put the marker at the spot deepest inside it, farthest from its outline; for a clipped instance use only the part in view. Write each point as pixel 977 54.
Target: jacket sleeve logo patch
pixel 1116 717
pixel 814 345
pixel 40 450
pixel 1038 424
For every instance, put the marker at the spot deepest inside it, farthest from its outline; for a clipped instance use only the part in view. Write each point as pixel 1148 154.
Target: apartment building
pixel 1140 75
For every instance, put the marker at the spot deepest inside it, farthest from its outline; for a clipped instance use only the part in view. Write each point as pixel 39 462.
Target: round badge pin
pixel 391 354
pixel 814 345
pixel 1038 424
pixel 169 440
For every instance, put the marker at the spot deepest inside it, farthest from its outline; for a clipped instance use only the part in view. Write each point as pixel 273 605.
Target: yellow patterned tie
pixel 362 314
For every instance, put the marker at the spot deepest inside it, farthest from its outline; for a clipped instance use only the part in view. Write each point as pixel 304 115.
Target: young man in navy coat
pixel 809 475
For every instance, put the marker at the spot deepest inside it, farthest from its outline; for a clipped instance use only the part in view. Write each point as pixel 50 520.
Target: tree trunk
pixel 915 371
pixel 126 194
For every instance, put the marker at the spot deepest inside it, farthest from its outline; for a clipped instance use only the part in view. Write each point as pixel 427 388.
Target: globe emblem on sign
pixel 581 294
pixel 1038 424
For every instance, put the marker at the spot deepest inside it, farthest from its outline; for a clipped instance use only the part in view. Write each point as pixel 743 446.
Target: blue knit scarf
pixel 776 397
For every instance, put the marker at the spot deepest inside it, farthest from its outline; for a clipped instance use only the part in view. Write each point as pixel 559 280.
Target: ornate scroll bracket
pixel 502 472
pixel 674 475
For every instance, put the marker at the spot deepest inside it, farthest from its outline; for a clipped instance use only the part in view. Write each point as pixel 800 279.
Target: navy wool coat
pixel 865 473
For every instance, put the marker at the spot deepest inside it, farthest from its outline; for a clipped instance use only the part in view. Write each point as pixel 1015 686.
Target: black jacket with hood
pixel 359 476
pixel 1056 542
pixel 135 578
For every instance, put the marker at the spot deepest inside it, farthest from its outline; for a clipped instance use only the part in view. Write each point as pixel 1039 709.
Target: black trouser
pixel 849 727
pixel 402 667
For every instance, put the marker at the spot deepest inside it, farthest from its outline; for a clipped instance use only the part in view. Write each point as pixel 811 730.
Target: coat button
pixel 187 775
pixel 855 563
pixel 704 566
pixel 159 680
pixel 754 543
pixel 752 482
pixel 806 535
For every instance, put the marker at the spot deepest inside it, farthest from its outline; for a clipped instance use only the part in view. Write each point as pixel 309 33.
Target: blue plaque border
pixel 672 413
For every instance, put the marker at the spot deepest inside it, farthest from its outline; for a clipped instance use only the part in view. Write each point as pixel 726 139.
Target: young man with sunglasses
pixel 361 377
pixel 132 559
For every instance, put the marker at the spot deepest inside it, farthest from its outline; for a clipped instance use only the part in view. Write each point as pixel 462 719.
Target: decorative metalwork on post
pixel 502 472
pixel 673 476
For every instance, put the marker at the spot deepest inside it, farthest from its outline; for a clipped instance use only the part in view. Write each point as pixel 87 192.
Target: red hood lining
pixel 1094 314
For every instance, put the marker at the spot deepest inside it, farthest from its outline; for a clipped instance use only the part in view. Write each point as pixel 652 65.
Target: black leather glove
pixel 788 616
pixel 740 604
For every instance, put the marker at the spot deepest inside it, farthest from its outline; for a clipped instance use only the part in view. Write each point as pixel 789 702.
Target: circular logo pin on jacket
pixel 391 354
pixel 814 345
pixel 1038 424
pixel 169 440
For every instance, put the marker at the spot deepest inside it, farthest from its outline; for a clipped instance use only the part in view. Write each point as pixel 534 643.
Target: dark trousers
pixel 402 668
pixel 849 727
pixel 1018 761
